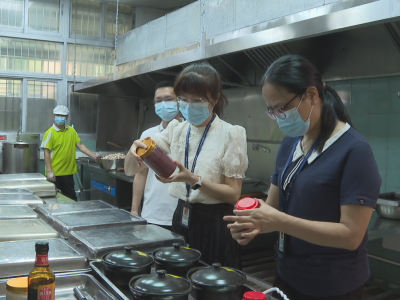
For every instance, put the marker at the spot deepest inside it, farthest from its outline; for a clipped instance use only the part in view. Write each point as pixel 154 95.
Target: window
pixel 41 100
pixel 90 61
pixel 44 15
pixel 83 112
pixel 85 18
pixel 10 105
pixel 11 13
pixel 30 56
pixel 125 20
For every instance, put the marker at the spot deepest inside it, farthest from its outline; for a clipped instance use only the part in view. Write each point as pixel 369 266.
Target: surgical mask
pixel 293 124
pixel 60 120
pixel 166 110
pixel 194 113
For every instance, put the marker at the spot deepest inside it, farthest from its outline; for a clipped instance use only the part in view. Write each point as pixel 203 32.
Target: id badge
pixel 186 214
pixel 281 242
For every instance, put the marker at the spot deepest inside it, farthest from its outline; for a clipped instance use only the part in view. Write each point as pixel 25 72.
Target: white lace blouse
pixel 224 152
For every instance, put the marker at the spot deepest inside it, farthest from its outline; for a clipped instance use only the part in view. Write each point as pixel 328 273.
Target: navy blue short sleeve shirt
pixel 345 173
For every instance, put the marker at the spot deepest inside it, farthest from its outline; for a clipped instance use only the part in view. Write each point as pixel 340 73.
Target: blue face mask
pixel 194 113
pixel 293 124
pixel 60 120
pixel 166 110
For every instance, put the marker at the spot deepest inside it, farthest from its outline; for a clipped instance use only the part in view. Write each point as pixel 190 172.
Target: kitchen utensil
pixel 122 265
pixel 216 283
pixel 78 294
pixel 111 164
pixel 176 260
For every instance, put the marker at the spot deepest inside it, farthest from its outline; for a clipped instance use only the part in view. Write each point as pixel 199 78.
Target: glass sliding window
pixel 41 100
pixel 44 15
pixel 83 112
pixel 85 18
pixel 10 105
pixel 11 13
pixel 30 56
pixel 90 61
pixel 125 19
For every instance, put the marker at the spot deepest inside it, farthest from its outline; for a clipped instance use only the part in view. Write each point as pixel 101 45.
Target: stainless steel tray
pixel 65 223
pixel 15 191
pixel 8 212
pixel 47 211
pixel 20 258
pixel 41 188
pixel 64 287
pixel 22 176
pixel 25 229
pixel 21 199
pixel 94 243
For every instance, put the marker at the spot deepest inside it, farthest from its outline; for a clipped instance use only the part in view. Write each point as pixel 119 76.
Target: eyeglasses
pixel 193 100
pixel 167 99
pixel 276 113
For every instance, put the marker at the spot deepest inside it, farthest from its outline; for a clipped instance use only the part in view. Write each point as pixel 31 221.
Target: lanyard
pixel 203 138
pixel 283 204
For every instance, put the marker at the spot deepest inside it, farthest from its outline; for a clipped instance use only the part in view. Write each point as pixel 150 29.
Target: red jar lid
pixel 247 203
pixel 254 296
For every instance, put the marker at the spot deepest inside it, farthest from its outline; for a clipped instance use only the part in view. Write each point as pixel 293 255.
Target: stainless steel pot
pixel 388 205
pixel 111 164
pixel 20 157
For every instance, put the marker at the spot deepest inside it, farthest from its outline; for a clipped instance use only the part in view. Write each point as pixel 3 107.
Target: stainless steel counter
pixel 380 227
pixel 121 175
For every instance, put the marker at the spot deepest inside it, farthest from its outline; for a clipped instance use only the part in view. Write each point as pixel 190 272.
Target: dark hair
pixel 295 74
pixel 165 83
pixel 203 80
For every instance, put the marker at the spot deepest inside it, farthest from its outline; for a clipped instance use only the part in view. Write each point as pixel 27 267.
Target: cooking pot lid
pixel 217 276
pixel 161 283
pixel 128 257
pixel 177 253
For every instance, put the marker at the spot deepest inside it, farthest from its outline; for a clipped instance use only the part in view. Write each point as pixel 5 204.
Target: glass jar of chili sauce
pixel 156 159
pixel 247 203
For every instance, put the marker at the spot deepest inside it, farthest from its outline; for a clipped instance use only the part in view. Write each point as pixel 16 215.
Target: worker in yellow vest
pixel 58 144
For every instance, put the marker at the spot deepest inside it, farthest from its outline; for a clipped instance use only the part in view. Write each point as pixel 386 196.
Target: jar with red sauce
pixel 247 203
pixel 156 159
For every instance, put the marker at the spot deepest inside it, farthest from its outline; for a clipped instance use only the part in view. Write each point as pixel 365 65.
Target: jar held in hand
pixel 156 159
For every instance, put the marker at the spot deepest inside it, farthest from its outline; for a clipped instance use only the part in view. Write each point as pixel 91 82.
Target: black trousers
pixel 293 294
pixel 208 233
pixel 66 185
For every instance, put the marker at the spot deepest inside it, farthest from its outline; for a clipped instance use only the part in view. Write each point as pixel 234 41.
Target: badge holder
pixel 281 242
pixel 186 215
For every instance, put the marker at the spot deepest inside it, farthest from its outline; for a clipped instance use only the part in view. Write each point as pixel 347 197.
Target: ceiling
pixel 161 4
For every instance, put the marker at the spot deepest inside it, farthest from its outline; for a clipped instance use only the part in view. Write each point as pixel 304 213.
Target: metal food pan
pixel 21 199
pixel 41 188
pixel 25 229
pixel 20 258
pixel 65 223
pixel 22 176
pixel 65 284
pixel 47 211
pixel 94 243
pixel 8 212
pixel 15 191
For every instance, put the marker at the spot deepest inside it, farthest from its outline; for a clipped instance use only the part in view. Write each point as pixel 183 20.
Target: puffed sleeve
pixel 235 161
pixel 361 181
pixel 164 138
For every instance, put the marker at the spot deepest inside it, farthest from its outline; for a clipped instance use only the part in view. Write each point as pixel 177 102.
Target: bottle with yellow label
pixel 41 280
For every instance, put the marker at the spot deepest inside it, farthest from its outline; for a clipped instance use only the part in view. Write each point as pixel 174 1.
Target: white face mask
pixel 293 124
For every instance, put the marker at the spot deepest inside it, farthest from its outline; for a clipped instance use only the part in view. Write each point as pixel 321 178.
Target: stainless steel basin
pixel 388 205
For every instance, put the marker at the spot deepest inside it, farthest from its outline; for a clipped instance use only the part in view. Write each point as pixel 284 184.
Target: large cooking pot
pixel 176 260
pixel 120 266
pixel 20 157
pixel 160 286
pixel 216 283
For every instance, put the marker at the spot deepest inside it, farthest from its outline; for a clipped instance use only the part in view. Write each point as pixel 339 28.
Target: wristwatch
pixel 197 185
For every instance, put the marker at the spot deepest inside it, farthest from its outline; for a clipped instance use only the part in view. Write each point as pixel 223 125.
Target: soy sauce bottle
pixel 41 280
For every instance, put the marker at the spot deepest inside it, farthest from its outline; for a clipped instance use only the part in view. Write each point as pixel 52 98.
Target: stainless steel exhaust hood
pixel 345 39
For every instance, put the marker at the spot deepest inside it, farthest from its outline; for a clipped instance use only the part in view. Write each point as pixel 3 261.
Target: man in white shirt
pixel 158 205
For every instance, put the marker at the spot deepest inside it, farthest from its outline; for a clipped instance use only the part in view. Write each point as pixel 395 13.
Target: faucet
pixel 18 139
pixel 256 146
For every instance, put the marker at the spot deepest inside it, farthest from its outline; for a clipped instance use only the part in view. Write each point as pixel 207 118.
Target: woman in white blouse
pixel 209 181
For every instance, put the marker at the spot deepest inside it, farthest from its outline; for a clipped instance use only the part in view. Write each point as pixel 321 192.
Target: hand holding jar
pixel 250 222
